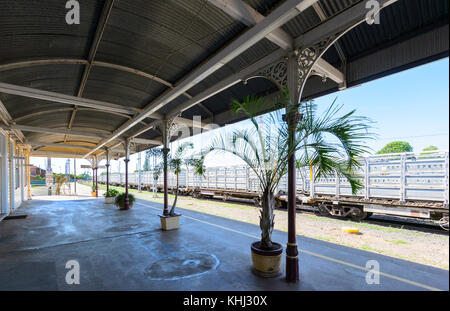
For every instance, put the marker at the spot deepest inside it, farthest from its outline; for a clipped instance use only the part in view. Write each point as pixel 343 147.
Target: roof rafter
pixel 106 12
pixel 7 119
pixel 285 12
pixel 69 61
pixel 51 130
pixel 249 16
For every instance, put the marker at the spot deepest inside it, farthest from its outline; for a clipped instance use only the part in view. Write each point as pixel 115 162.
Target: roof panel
pixel 36 30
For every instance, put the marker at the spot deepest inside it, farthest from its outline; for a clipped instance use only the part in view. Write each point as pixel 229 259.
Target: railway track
pixel 387 221
pixel 380 220
pixel 376 219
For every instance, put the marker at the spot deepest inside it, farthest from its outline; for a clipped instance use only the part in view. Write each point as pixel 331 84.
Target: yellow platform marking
pixel 317 255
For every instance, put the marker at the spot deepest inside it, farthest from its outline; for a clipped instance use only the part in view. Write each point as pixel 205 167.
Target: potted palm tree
pixel 94 191
pixel 175 163
pixel 266 149
pixel 120 200
pixel 110 195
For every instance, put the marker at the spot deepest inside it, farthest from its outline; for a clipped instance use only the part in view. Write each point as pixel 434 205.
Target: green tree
pixel 396 147
pixel 267 153
pixel 146 163
pixel 430 148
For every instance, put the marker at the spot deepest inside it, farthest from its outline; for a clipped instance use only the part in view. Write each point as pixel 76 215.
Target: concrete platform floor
pixel 126 250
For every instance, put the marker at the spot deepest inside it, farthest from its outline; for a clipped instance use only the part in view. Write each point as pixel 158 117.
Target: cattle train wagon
pixel 407 184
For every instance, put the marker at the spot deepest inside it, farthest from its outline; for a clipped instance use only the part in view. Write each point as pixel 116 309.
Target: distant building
pixel 36 171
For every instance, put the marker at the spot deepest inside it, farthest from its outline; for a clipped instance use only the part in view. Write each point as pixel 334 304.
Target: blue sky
pixel 412 106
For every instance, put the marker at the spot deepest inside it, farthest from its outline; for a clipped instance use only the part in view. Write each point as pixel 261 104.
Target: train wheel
pixel 358 214
pixel 322 210
pixel 443 223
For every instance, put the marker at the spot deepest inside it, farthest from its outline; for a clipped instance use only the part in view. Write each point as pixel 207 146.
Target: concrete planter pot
pixel 109 200
pixel 267 263
pixel 170 222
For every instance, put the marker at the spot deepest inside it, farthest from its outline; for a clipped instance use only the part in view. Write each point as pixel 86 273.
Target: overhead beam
pixel 147 141
pixel 243 12
pixel 69 61
pixel 103 20
pixel 72 100
pixel 56 154
pixel 350 17
pixel 323 17
pixel 64 99
pixel 347 19
pixel 7 119
pixel 285 12
pixel 50 130
pixel 47 144
pixel 325 69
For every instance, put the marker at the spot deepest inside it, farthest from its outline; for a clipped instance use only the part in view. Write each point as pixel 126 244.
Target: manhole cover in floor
pixel 124 228
pixel 183 266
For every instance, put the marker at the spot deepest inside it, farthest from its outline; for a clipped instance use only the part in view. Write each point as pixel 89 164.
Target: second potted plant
pixel 172 220
pixel 120 200
pixel 110 195
pixel 94 193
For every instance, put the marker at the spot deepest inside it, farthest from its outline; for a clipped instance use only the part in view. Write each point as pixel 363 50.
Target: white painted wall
pixel 11 197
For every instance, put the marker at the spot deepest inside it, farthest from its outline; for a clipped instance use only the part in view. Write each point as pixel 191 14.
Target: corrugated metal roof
pixel 166 38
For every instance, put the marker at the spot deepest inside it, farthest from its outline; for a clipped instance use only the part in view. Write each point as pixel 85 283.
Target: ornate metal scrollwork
pixel 308 56
pixel 169 127
pixel 132 146
pixel 276 72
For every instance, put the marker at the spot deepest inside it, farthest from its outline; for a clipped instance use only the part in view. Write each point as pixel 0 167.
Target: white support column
pixel 12 179
pixel 4 174
pixel 21 176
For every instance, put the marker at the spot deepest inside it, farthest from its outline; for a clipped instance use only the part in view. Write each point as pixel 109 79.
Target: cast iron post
pixel 127 156
pixel 107 170
pixel 96 178
pixel 165 151
pixel 292 274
